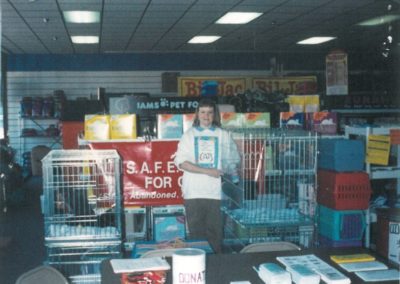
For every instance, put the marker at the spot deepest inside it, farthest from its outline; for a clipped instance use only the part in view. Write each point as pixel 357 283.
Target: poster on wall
pixel 299 85
pixel 226 86
pixel 336 73
pixel 149 175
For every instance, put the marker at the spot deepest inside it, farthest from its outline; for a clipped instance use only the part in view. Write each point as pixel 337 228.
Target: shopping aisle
pixel 21 235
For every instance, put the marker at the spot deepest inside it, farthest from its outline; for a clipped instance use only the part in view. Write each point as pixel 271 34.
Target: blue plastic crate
pixel 340 225
pixel 341 155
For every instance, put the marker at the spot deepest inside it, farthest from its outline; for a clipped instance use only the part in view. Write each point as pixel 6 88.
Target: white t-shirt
pixel 206 147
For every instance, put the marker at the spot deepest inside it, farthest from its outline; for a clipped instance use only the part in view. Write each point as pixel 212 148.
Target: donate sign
pixel 149 175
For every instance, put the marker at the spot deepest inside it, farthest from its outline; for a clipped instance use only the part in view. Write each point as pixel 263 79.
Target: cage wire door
pixel 275 196
pixel 82 210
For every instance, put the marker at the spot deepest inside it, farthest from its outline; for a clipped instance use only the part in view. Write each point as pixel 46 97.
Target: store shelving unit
pixel 374 171
pixel 378 172
pixel 349 116
pixel 275 198
pixel 40 132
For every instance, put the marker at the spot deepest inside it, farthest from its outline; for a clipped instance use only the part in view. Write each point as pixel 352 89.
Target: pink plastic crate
pixel 344 191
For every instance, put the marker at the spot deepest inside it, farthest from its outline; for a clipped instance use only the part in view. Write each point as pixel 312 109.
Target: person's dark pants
pixel 205 221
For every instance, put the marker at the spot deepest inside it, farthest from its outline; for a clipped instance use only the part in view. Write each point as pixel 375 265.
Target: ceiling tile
pixel 166 25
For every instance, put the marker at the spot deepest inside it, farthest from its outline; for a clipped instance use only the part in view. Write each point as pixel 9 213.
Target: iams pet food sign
pixel 152 105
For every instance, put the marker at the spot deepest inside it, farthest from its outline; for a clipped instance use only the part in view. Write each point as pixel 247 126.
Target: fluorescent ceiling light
pixel 85 39
pixel 379 20
pixel 204 39
pixel 82 17
pixel 316 40
pixel 238 17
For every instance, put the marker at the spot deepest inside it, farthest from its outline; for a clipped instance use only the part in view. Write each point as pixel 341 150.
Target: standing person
pixel 203 152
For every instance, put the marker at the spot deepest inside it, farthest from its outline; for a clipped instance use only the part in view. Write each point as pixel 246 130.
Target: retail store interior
pixel 96 95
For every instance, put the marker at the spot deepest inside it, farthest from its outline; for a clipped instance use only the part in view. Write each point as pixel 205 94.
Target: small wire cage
pixel 82 211
pixel 275 187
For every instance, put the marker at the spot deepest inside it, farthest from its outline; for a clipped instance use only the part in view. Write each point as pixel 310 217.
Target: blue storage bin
pixel 341 225
pixel 341 155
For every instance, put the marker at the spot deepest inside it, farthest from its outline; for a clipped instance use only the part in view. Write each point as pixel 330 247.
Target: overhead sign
pixel 152 105
pixel 150 177
pixel 300 85
pixel 227 86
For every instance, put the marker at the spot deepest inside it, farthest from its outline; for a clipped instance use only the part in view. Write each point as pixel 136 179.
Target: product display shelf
pixel 278 205
pixel 347 116
pixel 41 124
pixel 377 172
pixel 39 130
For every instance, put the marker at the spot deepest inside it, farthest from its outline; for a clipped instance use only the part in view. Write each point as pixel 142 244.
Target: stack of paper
pixel 363 266
pixel 379 275
pixel 328 274
pixel 139 264
pixel 366 267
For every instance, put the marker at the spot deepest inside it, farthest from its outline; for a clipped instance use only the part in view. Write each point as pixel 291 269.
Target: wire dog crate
pixel 275 197
pixel 82 211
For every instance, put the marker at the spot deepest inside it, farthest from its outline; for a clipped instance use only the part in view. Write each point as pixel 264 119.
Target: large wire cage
pixel 82 211
pixel 273 196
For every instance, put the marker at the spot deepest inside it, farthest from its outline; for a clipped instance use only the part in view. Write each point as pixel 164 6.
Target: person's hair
pixel 208 103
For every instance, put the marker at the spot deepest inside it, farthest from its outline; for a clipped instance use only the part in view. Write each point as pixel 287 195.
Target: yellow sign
pixel 378 149
pixel 227 86
pixel 287 85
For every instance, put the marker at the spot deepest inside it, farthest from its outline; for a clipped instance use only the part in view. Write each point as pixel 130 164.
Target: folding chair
pixel 42 274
